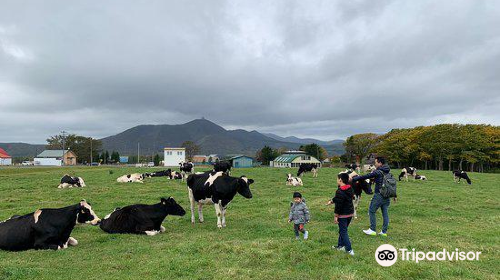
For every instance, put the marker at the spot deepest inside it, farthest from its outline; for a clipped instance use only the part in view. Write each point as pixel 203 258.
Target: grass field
pixel 258 243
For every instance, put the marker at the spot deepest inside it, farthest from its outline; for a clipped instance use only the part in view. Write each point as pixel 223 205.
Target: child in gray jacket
pixel 299 215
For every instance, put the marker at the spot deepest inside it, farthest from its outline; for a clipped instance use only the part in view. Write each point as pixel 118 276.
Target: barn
pixel 55 158
pixel 293 159
pixel 174 156
pixel 5 158
pixel 241 161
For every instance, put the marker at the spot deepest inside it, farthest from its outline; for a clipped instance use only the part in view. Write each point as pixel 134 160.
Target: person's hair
pixel 380 159
pixel 344 177
pixel 297 194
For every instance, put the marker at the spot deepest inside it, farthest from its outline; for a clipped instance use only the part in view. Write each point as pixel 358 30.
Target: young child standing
pixel 344 211
pixel 299 215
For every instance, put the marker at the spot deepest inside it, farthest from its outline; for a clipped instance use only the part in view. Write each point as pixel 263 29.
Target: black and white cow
pixel 162 173
pixel 45 228
pixel 460 174
pixel 141 218
pixel 420 177
pixel 186 169
pixel 130 178
pixel 215 188
pixel 308 167
pixel 359 187
pixel 293 181
pixel 411 171
pixel 369 168
pixel 353 167
pixel 175 175
pixel 70 182
pixel 224 166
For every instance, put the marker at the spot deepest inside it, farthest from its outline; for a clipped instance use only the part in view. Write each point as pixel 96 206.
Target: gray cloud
pixel 323 69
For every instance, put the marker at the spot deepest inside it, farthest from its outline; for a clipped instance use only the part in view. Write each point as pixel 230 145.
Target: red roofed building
pixel 5 159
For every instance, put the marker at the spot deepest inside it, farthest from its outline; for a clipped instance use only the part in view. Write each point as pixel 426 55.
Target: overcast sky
pixel 324 69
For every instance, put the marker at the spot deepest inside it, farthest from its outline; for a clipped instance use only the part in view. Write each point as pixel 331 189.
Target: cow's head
pixel 86 215
pixel 172 207
pixel 244 186
pixel 81 182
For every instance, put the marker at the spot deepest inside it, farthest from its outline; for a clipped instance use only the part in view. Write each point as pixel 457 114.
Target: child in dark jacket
pixel 344 211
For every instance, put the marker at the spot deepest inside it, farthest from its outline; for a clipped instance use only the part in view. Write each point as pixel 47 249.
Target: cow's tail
pixel 468 180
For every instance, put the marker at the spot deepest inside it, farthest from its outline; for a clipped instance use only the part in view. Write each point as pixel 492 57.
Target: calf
pixel 216 188
pixel 68 181
pixel 412 171
pixel 308 167
pixel 224 166
pixel 359 187
pixel 186 168
pixel 45 228
pixel 293 181
pixel 460 174
pixel 130 178
pixel 141 218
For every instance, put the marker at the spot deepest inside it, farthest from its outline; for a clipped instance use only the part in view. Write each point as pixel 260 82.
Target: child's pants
pixel 343 234
pixel 297 228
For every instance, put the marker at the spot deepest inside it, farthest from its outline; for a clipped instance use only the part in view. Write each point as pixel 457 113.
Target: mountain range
pixel 210 137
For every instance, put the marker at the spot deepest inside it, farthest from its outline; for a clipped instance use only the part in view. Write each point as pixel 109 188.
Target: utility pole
pixel 90 151
pixel 138 153
pixel 63 135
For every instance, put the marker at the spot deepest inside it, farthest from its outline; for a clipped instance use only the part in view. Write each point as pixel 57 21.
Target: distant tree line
pixel 451 146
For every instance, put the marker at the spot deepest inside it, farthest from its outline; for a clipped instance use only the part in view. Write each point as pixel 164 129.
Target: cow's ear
pixel 250 181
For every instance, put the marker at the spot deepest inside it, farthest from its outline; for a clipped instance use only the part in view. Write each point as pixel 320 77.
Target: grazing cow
pixel 460 174
pixel 358 187
pixel 293 181
pixel 141 218
pixel 45 228
pixel 420 177
pixel 162 173
pixel 224 166
pixel 412 171
pixel 308 167
pixel 68 181
pixel 353 167
pixel 186 168
pixel 216 188
pixel 130 178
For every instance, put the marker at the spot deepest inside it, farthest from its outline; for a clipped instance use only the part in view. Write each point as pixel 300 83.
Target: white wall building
pixel 173 156
pixel 5 158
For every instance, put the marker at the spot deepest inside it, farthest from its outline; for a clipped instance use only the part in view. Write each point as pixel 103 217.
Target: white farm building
pixel 174 156
pixel 293 159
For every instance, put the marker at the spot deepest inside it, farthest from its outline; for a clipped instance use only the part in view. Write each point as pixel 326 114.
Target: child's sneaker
pixel 382 234
pixel 351 252
pixel 370 232
pixel 306 235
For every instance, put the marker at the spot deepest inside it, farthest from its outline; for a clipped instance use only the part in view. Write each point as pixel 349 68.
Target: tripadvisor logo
pixel 387 255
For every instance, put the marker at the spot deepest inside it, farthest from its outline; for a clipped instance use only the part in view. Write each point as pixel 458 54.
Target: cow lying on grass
pixel 293 181
pixel 141 218
pixel 130 178
pixel 161 173
pixel 215 188
pixel 70 182
pixel 45 228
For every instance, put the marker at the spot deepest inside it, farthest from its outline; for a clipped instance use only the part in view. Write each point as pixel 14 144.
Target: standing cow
pixel 224 166
pixel 45 228
pixel 68 181
pixel 141 218
pixel 216 188
pixel 460 174
pixel 358 187
pixel 186 168
pixel 411 171
pixel 308 167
